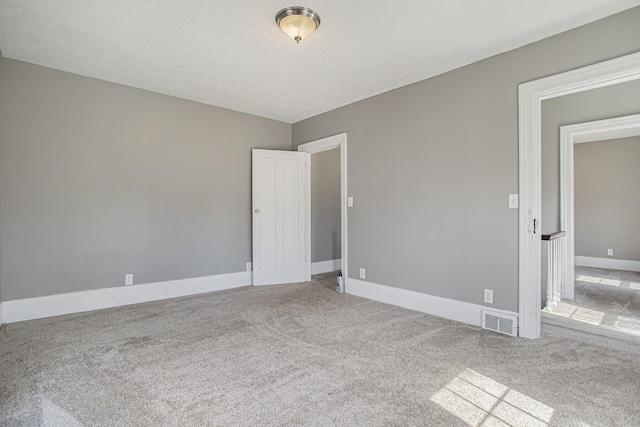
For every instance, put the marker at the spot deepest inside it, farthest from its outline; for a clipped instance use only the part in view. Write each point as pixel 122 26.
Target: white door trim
pixel 530 97
pixel 600 130
pixel 318 146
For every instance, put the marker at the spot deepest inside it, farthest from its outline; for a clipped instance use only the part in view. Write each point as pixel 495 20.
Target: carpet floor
pixel 301 354
pixel 607 303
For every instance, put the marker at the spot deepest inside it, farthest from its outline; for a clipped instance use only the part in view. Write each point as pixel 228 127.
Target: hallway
pixel 607 302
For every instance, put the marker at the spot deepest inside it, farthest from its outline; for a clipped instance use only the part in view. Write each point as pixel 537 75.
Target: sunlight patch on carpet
pixel 480 401
pixel 581 314
pixel 629 325
pixel 589 279
pixel 601 281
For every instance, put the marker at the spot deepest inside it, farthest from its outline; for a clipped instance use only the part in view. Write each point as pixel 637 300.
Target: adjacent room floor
pixel 607 303
pixel 303 355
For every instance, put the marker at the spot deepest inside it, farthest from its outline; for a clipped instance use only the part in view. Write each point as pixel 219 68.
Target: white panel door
pixel 279 199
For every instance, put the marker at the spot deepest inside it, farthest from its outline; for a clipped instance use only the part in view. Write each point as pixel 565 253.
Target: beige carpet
pixel 303 355
pixel 606 303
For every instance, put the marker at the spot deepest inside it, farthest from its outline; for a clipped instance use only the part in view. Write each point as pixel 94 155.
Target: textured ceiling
pixel 231 53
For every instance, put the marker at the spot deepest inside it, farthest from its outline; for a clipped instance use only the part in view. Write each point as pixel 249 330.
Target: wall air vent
pixel 500 322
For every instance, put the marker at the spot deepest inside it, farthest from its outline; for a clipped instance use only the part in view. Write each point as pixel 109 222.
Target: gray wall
pixel 431 165
pixel 325 205
pixel 607 198
pixel 98 180
pixel 1 61
pixel 604 103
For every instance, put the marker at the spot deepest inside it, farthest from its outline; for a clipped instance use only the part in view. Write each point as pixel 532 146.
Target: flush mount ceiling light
pixel 297 22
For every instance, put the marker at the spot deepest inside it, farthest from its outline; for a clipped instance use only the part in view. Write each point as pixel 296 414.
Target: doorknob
pixel 256 210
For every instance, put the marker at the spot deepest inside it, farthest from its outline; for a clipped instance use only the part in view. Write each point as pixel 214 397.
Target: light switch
pixel 513 201
pixel 350 202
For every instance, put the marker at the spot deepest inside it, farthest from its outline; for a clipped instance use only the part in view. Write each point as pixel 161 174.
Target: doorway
pixel 531 95
pixel 322 145
pixel 600 130
pixel 599 212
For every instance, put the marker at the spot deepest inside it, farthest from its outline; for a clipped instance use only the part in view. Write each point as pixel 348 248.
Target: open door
pixel 279 185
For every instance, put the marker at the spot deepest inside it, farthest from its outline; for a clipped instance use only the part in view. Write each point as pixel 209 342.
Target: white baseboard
pixel 326 266
pixel 610 263
pixel 76 302
pixel 437 306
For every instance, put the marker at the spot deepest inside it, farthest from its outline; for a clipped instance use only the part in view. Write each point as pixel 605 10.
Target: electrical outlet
pixel 488 296
pixel 248 266
pixel 610 252
pixel 362 273
pixel 128 279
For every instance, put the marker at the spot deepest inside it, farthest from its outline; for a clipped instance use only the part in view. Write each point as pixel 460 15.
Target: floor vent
pixel 500 322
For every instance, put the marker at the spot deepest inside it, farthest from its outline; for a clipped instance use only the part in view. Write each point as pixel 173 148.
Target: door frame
pixel 318 146
pixel 598 130
pixel 530 97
